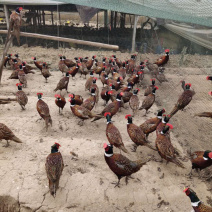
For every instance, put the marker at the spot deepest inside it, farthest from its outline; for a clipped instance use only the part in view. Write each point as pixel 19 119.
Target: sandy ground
pixel 85 184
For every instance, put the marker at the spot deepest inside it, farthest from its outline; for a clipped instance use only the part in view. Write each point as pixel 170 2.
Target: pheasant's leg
pixel 22 107
pixel 81 122
pixel 117 183
pixel 46 80
pixel 59 110
pixel 133 149
pixel 39 119
pixel 6 145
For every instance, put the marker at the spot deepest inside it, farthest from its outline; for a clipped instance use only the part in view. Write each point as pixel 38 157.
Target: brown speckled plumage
pixel 22 99
pixel 7 134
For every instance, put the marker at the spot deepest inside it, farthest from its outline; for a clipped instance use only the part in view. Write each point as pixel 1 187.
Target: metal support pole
pixel 134 32
pixel 6 15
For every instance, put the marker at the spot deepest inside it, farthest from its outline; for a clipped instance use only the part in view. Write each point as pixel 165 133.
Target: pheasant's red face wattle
pixel 210 155
pixel 188 84
pixel 126 117
pixel 40 94
pixel 107 113
pixel 170 126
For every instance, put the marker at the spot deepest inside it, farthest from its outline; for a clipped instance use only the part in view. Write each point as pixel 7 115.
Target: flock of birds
pixel 119 77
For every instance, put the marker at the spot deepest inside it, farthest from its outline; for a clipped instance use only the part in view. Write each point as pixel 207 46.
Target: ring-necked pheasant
pixel 136 134
pixel 197 205
pixel 134 101
pixel 15 24
pixel 112 108
pixel 113 134
pixel 201 160
pixel 60 101
pixel 120 165
pixel 150 125
pixel 162 124
pixel 54 168
pixel 21 97
pixel 148 90
pixel 45 72
pixel 89 103
pixel 63 83
pixel 78 98
pixel 163 60
pixel 7 134
pixel 43 110
pixel 165 147
pixel 81 112
pixel 149 100
pixel 183 100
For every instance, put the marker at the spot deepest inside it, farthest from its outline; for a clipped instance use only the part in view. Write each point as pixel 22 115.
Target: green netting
pixel 191 11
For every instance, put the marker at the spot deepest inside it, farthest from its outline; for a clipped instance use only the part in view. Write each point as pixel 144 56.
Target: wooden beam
pixel 3 98
pixel 69 40
pixel 134 32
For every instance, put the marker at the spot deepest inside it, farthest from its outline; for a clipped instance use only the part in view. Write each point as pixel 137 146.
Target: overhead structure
pixel 189 11
pixel 28 2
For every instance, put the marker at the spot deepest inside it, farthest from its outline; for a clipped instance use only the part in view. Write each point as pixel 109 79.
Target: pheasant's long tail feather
pixel 175 109
pixel 97 117
pixel 16 139
pixel 204 114
pixel 150 146
pixel 17 34
pixel 178 163
pixel 123 149
pixel 141 163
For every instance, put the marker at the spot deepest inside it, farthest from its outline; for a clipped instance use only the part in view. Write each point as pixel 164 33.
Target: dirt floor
pixel 85 184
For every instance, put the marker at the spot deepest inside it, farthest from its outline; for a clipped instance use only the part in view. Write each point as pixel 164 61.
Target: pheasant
pixel 78 98
pixel 150 125
pixel 22 76
pixel 201 160
pixel 21 97
pixel 45 72
pixel 149 100
pixel 104 94
pixel 63 83
pixel 68 63
pixel 7 134
pixel 81 112
pixel 60 101
pixel 148 90
pixel 162 124
pixel 134 101
pixel 113 134
pixel 113 107
pixel 90 102
pixel 183 100
pixel 197 205
pixel 165 147
pixel 27 69
pixel 54 168
pixel 163 60
pixel 89 81
pixel 62 66
pixel 136 134
pixel 43 110
pixel 15 24
pixel 94 85
pixel 120 165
